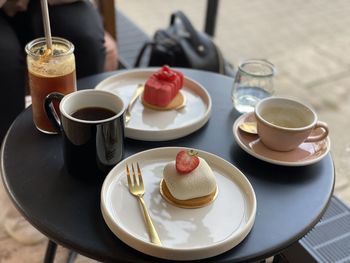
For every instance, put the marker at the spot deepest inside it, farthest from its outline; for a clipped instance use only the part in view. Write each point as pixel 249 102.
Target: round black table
pixel 290 200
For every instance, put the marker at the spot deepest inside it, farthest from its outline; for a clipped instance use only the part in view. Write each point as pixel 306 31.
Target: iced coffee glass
pixel 49 71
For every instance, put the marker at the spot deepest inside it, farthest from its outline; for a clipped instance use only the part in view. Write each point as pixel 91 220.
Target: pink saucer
pixel 305 154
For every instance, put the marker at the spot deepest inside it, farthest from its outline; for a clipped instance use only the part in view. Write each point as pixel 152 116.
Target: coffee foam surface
pixel 288 117
pixel 53 66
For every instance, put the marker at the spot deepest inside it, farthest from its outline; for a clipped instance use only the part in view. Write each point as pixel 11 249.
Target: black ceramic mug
pixel 92 126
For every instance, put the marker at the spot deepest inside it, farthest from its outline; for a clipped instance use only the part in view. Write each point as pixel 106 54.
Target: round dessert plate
pixel 186 234
pixel 153 125
pixel 305 154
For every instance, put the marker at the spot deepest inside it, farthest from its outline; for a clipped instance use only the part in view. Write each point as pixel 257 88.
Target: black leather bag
pixel 180 45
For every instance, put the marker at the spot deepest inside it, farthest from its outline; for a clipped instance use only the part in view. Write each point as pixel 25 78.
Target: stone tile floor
pixel 308 41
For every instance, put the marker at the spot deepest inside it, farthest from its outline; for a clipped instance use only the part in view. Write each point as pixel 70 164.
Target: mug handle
pixel 319 125
pixel 50 109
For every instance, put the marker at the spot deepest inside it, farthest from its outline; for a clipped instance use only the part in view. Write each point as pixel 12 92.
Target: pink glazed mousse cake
pixel 162 87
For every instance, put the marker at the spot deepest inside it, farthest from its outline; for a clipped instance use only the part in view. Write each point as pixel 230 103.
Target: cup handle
pixel 319 125
pixel 50 109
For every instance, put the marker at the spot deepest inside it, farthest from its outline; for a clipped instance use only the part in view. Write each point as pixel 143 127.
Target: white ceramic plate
pixel 186 234
pixel 152 125
pixel 305 154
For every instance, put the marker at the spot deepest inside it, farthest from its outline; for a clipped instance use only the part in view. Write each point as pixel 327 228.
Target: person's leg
pixel 13 78
pixel 12 75
pixel 81 24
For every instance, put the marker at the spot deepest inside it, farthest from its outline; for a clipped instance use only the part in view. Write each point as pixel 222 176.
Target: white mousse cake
pixel 198 183
pixel 189 181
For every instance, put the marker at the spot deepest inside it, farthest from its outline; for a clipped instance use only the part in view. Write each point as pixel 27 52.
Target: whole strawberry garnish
pixel 186 161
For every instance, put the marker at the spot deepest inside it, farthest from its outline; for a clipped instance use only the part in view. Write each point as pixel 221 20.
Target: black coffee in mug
pixel 93 114
pixel 92 126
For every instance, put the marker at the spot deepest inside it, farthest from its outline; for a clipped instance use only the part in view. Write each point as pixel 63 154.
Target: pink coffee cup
pixel 283 124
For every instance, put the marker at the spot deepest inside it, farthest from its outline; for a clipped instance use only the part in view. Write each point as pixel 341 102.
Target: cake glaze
pixel 162 87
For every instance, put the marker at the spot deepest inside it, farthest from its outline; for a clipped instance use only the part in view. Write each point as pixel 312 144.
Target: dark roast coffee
pixel 93 114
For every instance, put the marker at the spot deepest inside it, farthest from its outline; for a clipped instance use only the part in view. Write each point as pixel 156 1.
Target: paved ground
pixel 308 41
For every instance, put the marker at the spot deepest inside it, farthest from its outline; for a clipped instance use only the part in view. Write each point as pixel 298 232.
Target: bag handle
pixel 194 38
pixel 141 53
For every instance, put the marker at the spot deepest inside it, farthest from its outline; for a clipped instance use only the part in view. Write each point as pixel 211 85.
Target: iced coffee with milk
pixel 49 70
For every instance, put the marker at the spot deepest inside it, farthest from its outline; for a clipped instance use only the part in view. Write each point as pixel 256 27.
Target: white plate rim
pixel 175 253
pixel 167 134
pixel 269 160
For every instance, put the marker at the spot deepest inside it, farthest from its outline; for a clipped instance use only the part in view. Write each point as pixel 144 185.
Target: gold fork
pixel 136 188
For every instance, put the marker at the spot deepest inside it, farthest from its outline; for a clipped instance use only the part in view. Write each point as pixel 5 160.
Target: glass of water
pixel 253 82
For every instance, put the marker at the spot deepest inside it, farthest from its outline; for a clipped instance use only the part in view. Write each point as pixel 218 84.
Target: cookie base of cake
pixel 178 102
pixel 189 203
